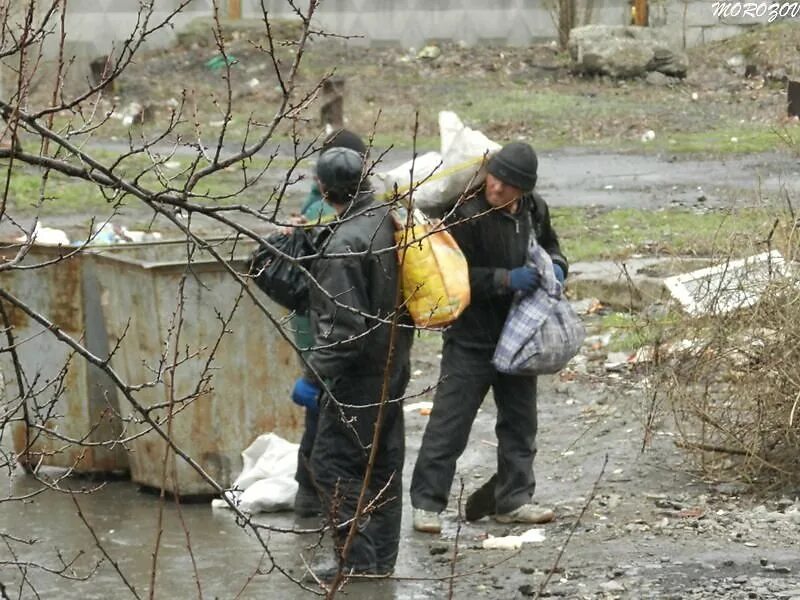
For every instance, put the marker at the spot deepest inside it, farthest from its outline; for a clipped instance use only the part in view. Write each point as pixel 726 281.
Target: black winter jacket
pixel 494 242
pixel 362 276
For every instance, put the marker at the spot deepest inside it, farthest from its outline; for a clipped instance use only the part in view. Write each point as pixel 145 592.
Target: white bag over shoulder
pixel 441 178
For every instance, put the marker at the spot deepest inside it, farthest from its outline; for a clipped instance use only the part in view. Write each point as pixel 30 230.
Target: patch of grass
pixel 64 195
pixel 589 234
pixel 61 195
pixel 626 334
pixel 507 103
pixel 731 139
pixel 629 332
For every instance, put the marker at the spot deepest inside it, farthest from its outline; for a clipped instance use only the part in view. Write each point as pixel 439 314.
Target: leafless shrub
pixel 729 375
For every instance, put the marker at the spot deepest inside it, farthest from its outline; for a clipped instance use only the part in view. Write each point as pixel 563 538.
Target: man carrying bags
pixel 493 230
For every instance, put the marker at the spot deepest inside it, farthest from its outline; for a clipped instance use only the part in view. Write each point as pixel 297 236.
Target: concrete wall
pixel 413 23
pixel 95 26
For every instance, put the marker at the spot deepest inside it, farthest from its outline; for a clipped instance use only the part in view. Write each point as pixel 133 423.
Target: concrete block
pixel 729 285
pixel 633 284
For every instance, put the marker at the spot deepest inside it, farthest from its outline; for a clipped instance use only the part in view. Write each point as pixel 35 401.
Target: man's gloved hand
pixel 523 279
pixel 306 393
pixel 559 273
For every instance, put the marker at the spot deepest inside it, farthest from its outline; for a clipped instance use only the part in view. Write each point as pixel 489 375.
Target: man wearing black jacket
pixel 355 347
pixel 493 229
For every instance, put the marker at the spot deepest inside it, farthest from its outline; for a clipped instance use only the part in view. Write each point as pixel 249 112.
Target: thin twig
pixel 455 542
pixel 710 448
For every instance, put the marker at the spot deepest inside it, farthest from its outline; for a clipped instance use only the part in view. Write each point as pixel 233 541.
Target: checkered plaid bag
pixel 542 332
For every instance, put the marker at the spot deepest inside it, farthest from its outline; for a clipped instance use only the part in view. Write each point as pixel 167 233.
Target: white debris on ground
pixel 514 542
pixel 112 233
pixel 420 406
pixel 45 236
pixel 103 234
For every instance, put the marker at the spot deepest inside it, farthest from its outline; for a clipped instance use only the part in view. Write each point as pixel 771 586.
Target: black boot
pixel 481 503
pixel 325 569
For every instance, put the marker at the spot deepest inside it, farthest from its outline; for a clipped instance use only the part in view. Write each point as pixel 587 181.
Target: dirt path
pixel 580 178
pixel 652 531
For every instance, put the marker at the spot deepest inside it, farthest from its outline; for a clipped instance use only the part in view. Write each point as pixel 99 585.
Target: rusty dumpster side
pixel 72 400
pixel 221 369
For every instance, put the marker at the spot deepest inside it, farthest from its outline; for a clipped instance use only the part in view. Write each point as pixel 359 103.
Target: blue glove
pixel 306 393
pixel 523 279
pixel 559 272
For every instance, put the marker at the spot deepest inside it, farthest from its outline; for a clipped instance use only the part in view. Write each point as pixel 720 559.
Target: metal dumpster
pixel 167 306
pixel 74 400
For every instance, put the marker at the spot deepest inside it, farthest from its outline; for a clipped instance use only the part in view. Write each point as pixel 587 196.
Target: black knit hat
pixel 344 138
pixel 515 164
pixel 340 169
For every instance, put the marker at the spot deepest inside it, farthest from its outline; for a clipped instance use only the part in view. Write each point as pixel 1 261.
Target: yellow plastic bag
pixel 435 277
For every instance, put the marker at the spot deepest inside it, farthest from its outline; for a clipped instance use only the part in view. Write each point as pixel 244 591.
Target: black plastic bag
pixel 284 281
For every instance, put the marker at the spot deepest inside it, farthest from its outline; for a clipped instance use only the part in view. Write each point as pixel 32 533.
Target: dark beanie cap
pixel 515 164
pixel 344 138
pixel 340 169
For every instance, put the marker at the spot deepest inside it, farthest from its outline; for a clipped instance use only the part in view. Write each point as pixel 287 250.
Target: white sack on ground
pixel 441 178
pixel 269 495
pixel 514 542
pixel 266 483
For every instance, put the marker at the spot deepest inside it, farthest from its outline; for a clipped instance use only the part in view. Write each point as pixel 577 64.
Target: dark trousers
pixel 465 378
pixel 339 461
pixel 304 339
pixel 303 474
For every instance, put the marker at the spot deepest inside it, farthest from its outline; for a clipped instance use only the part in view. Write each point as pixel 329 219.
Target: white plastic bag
pixel 266 483
pixel 269 495
pixel 422 168
pixel 441 178
pixel 514 542
pixel 268 456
